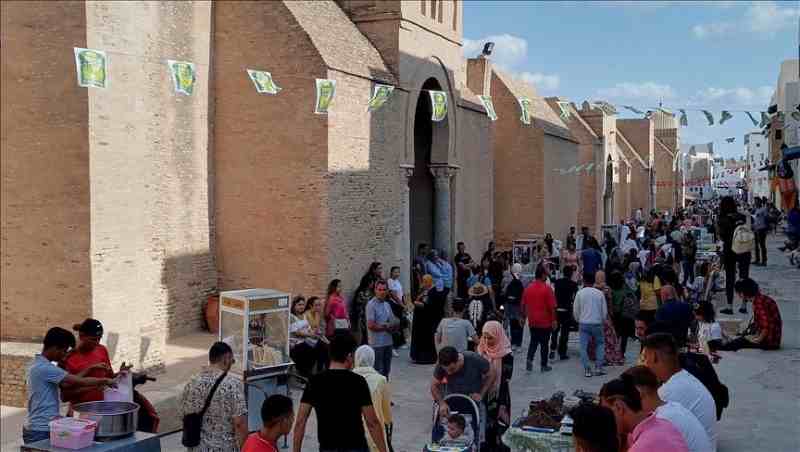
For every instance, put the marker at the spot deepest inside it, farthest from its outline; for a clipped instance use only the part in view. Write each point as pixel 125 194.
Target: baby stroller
pixel 474 431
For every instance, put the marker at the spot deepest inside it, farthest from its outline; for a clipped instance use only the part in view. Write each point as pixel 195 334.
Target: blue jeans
pixel 31 436
pixel 383 360
pixel 588 331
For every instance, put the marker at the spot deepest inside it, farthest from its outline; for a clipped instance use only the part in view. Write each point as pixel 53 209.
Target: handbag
pixel 193 422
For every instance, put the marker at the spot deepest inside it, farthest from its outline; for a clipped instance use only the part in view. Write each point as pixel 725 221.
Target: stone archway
pixel 429 184
pixel 608 194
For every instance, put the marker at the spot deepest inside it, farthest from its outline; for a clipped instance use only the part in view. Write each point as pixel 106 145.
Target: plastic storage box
pixel 72 433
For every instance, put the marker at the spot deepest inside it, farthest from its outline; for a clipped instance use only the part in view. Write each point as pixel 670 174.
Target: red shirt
pixel 334 309
pixel 767 318
pixel 76 362
pixel 255 443
pixel 540 305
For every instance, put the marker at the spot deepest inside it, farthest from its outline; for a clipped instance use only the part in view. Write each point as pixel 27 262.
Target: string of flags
pixel 92 70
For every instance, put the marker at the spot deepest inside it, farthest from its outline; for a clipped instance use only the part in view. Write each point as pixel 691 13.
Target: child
pixel 697 287
pixel 456 331
pixel 277 416
pixel 456 435
pixel 709 332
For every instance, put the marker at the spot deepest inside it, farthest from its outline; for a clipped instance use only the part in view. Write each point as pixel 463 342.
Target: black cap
pixel 90 327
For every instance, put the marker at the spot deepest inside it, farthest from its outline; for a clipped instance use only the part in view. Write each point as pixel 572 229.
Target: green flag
pixel 489 106
pixel 633 109
pixel 326 89
pixel 92 67
pixel 764 119
pixel 183 76
pixel 730 140
pixel 438 105
pixel 709 117
pixel 524 106
pixel 684 121
pixel 752 119
pixel 726 115
pixel 380 95
pixel 263 82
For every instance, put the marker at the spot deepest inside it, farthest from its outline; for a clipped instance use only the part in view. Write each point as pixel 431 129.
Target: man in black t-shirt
pixel 565 289
pixel 462 262
pixel 340 399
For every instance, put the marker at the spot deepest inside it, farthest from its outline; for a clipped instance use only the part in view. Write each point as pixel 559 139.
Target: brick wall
pixel 561 191
pixel 665 179
pixel 46 276
pixel 13 374
pixel 640 135
pixel 149 176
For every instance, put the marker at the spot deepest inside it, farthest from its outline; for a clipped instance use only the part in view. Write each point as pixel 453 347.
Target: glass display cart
pixel 255 323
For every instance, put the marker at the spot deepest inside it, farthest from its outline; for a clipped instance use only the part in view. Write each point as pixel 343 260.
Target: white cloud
pixel 764 19
pixel 510 54
pixel 734 98
pixel 638 91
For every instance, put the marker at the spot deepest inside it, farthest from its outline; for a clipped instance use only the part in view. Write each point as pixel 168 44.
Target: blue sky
pixel 714 55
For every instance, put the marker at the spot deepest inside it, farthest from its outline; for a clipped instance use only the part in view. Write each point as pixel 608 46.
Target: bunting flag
pixel 709 117
pixel 524 106
pixel 752 119
pixel 606 107
pixel 183 76
pixel 726 115
pixel 92 68
pixel 664 110
pixel 380 95
pixel 633 109
pixel 730 140
pixel 764 119
pixel 589 167
pixel 648 115
pixel 489 106
pixel 684 121
pixel 564 107
pixel 326 89
pixel 796 115
pixel 438 105
pixel 263 82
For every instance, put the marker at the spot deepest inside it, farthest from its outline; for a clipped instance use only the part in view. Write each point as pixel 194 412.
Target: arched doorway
pixel 608 194
pixel 431 141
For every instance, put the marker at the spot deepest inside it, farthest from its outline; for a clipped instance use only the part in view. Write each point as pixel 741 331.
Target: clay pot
pixel 211 313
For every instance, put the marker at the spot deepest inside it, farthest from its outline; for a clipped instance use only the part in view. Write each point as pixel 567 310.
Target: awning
pixel 791 153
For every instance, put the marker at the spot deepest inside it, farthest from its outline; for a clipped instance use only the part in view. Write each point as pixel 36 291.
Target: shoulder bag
pixel 193 422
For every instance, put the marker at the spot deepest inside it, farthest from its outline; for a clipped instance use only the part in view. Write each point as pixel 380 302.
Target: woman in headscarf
pixel 513 300
pixel 364 365
pixel 423 325
pixel 495 347
pixel 362 295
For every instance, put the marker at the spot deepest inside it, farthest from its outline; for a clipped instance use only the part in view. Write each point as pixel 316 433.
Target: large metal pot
pixel 114 419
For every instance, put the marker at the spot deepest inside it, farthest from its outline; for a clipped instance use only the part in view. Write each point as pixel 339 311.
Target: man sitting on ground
pixel 764 331
pixel 682 419
pixel 678 385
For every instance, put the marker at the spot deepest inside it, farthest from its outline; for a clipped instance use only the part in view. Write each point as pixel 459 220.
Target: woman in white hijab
pixel 379 389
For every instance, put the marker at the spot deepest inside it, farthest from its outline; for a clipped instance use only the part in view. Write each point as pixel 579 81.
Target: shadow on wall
pixel 188 280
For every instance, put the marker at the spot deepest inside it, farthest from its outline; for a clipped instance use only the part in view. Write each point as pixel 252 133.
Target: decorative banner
pixel 564 107
pixel 326 89
pixel 731 139
pixel 709 117
pixel 589 167
pixel 633 109
pixel 183 76
pixel 752 119
pixel 489 106
pixel 438 105
pixel 92 67
pixel 764 119
pixel 664 110
pixel 606 107
pixel 380 95
pixel 726 115
pixel 263 82
pixel 524 106
pixel 684 121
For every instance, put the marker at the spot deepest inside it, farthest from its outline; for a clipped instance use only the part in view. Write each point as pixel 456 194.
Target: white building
pixel 728 176
pixel 784 125
pixel 756 148
pixel 697 170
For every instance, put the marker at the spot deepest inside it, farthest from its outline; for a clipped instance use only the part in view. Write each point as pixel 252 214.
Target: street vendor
pixel 89 359
pixel 45 380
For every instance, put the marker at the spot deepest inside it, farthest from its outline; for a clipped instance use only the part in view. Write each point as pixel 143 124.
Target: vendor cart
pixel 255 323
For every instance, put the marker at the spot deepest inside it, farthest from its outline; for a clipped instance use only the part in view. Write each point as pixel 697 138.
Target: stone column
pixel 403 247
pixel 441 212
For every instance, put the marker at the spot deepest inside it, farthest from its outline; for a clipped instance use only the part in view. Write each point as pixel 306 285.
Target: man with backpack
pixel 737 242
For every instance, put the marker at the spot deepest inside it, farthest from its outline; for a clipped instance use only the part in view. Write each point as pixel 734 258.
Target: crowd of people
pixel 646 283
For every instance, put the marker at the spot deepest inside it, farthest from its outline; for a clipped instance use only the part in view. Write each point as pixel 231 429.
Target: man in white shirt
pixel 396 298
pixel 590 311
pixel 691 429
pixel 678 385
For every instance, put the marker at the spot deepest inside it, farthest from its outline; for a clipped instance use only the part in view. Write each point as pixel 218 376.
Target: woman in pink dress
pixel 570 257
pixel 335 312
pixel 613 353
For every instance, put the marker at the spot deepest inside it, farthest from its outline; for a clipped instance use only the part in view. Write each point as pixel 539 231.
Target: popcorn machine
pixel 255 323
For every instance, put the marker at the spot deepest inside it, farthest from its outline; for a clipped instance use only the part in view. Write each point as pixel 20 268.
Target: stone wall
pixel 46 271
pixel 15 359
pixel 152 265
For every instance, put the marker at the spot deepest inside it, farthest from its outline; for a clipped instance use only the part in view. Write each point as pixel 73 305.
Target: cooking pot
pixel 114 419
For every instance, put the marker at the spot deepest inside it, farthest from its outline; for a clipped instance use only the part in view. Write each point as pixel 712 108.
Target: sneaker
pixel 727 311
pixel 743 310
pixel 564 358
pixel 552 355
pixel 588 373
pixel 546 368
pixel 599 371
pixel 529 366
pixel 395 354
